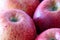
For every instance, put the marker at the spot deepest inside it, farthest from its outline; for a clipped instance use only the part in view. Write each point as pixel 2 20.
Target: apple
pixel 49 34
pixel 16 25
pixel 28 6
pixel 47 15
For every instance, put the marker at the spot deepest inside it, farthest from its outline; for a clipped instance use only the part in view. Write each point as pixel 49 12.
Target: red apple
pixel 50 34
pixel 47 15
pixel 16 25
pixel 28 6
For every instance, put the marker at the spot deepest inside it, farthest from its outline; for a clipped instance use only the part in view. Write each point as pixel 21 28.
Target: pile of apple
pixel 29 19
pixel 47 20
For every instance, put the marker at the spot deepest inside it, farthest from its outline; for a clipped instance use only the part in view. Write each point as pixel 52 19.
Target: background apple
pixel 50 34
pixel 16 25
pixel 28 6
pixel 47 15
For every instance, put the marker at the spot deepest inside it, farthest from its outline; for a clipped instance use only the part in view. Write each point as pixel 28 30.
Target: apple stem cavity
pixel 52 39
pixel 54 8
pixel 13 19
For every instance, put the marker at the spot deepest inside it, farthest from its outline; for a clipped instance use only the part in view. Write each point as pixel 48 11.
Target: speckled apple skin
pixel 45 18
pixel 28 6
pixel 23 29
pixel 49 33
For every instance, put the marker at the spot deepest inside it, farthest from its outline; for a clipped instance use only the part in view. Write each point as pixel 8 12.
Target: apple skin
pixel 46 17
pixel 49 34
pixel 28 6
pixel 22 28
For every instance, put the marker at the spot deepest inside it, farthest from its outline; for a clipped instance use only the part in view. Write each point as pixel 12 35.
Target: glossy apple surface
pixel 50 34
pixel 28 6
pixel 16 25
pixel 47 15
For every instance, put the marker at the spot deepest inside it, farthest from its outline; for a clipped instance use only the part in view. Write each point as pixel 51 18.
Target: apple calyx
pixel 13 19
pixel 52 39
pixel 54 8
pixel 55 5
pixel 56 37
